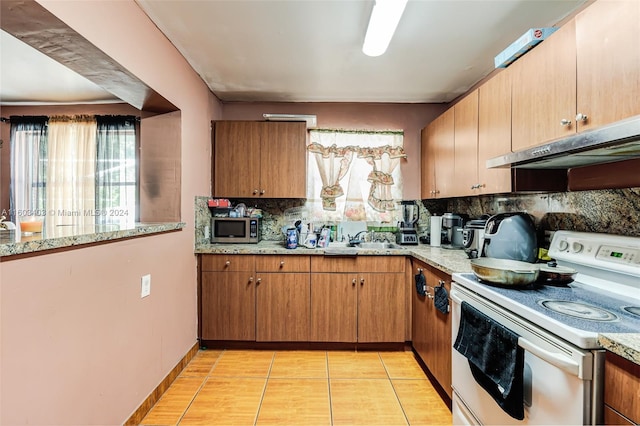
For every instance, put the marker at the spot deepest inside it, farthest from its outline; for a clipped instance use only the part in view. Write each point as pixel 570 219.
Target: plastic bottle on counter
pixel 292 238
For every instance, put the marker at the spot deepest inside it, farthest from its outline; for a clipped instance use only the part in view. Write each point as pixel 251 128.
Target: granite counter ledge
pixel 12 243
pixel 627 345
pixel 448 261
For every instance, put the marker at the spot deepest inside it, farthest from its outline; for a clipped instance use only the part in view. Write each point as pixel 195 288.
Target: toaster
pixel 473 237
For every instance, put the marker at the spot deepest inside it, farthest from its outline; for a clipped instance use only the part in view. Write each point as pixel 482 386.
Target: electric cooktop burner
pixel 579 310
pixel 633 310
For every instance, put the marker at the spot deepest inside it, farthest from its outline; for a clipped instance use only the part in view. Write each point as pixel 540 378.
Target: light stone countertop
pixel 627 345
pixel 14 243
pixel 448 261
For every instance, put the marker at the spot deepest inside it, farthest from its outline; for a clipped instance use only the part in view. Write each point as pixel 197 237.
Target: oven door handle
pixel 562 362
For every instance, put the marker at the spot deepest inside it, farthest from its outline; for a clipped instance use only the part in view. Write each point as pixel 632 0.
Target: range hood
pixel 614 142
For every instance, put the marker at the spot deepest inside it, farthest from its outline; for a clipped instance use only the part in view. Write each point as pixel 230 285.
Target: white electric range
pixel 558 328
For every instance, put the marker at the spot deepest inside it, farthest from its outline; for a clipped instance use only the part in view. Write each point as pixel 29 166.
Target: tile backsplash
pixel 612 211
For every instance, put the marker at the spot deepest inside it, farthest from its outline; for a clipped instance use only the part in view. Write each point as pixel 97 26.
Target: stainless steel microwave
pixel 235 230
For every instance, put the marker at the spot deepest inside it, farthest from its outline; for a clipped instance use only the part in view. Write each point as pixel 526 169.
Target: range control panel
pixel 604 251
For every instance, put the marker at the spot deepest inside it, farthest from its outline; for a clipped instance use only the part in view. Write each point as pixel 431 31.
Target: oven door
pixel 557 375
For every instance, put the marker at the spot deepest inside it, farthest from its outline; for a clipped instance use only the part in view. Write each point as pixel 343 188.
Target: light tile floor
pixel 244 387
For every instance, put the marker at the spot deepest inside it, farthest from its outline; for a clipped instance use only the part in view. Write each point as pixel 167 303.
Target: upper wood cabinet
pixel 438 157
pixel 494 133
pixel 608 62
pixel 466 145
pixel 544 90
pixel 585 75
pixel 259 159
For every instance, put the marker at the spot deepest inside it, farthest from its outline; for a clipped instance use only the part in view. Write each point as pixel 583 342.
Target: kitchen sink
pixel 346 248
pixel 380 246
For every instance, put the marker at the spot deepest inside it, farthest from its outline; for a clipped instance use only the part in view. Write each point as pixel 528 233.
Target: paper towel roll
pixel 436 231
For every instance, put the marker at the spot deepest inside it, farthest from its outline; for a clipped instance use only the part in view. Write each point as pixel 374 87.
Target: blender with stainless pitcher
pixel 407 228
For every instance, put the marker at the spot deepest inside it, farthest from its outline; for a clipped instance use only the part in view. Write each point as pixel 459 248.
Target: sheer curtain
pixel 116 172
pixel 354 175
pixel 28 167
pixel 71 171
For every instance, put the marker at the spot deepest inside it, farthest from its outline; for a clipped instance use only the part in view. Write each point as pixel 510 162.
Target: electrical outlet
pixel 145 286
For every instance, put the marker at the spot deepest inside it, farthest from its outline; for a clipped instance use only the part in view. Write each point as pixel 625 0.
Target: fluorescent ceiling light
pixel 311 120
pixel 383 22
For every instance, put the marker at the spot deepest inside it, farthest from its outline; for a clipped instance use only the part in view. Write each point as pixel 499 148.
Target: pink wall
pixel 78 344
pixel 380 116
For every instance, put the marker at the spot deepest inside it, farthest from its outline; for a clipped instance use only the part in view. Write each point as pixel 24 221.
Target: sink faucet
pixel 357 237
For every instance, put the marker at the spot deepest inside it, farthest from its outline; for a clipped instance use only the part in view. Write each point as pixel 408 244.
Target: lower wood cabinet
pixel 431 329
pixel 621 391
pixel 334 307
pixel 282 307
pixel 358 299
pixel 295 298
pixel 227 298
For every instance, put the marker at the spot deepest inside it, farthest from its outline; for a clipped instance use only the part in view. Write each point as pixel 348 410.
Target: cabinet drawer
pixel 290 263
pixel 358 264
pixel 224 262
pixel 622 386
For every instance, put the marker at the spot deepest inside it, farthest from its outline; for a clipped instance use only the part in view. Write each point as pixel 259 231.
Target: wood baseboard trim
pixel 154 396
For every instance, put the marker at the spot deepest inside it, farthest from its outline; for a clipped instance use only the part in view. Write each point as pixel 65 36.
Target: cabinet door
pixel 494 132
pixel 236 159
pixel 422 313
pixel 427 164
pixel 283 160
pixel 228 306
pixel 441 148
pixel 544 90
pixel 334 307
pixel 282 307
pixel 441 333
pixel 608 62
pixel 466 145
pixel 432 328
pixel 380 307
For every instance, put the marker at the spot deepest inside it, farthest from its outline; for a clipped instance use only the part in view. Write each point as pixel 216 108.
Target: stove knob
pixel 563 245
pixel 576 247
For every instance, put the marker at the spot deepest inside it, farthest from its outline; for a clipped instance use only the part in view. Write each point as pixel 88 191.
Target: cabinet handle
pixel 258 281
pixel 255 191
pixel 565 122
pixel 353 281
pixel 250 279
pixel 581 117
pixel 361 281
pixel 420 270
pixel 262 192
pixel 282 264
pixel 227 263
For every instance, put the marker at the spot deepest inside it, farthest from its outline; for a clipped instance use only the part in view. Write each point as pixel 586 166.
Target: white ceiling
pixel 310 50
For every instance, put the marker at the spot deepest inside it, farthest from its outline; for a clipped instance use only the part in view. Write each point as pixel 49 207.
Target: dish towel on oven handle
pixel 495 359
pixel 441 298
pixel 421 284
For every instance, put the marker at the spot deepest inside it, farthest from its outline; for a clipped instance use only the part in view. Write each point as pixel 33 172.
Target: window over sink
pixel 354 175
